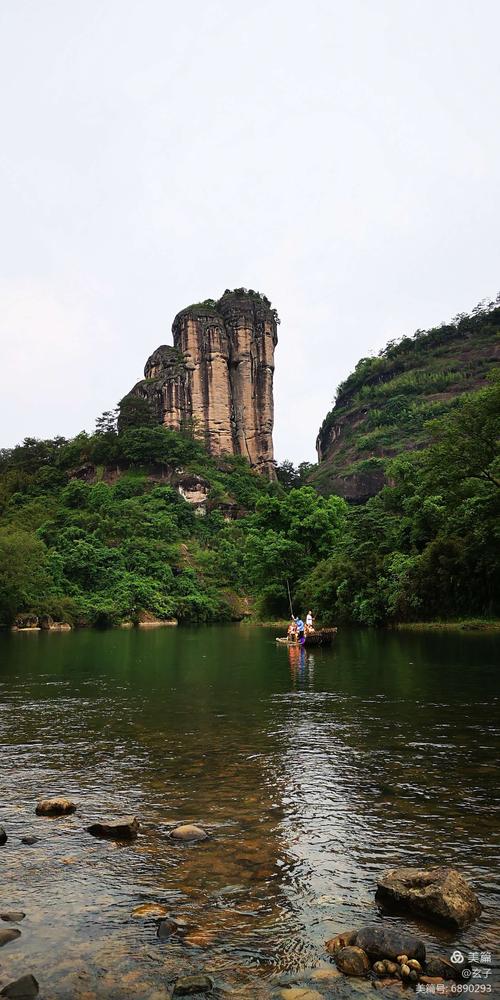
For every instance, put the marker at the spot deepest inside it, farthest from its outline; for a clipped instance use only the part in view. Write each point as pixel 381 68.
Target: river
pixel 313 772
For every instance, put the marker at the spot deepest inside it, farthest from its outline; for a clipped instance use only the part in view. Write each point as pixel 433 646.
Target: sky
pixel 340 156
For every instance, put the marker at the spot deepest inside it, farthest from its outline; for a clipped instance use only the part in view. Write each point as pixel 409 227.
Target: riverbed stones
pixel 58 806
pixel 3 836
pixel 385 942
pixel 29 840
pixel 24 988
pixel 352 961
pixel 189 833
pixel 187 985
pixel 12 916
pixel 9 935
pixel 440 894
pixel 126 828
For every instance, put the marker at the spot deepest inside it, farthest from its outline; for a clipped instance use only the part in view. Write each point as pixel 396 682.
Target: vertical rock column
pixel 252 335
pixel 201 339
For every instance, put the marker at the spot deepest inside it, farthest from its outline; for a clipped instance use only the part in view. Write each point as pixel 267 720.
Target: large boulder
pixel 24 988
pixel 441 894
pixel 340 941
pixel 380 941
pixel 58 806
pixel 126 828
pixel 352 961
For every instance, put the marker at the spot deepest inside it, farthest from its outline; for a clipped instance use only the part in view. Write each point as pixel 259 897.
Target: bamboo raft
pixel 323 637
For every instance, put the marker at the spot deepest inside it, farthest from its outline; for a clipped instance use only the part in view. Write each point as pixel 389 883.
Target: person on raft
pixel 292 631
pixel 300 629
pixel 309 622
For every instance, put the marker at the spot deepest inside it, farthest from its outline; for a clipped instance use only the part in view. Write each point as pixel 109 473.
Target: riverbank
pixel 463 625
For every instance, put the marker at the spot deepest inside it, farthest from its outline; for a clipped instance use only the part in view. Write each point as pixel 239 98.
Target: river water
pixel 313 772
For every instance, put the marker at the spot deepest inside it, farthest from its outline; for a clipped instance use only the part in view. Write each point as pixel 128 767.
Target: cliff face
pixel 217 379
pixel 382 408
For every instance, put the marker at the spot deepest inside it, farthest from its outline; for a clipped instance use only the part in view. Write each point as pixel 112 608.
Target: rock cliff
pixel 382 409
pixel 217 378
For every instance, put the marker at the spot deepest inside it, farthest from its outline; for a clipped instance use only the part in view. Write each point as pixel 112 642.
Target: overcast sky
pixel 341 156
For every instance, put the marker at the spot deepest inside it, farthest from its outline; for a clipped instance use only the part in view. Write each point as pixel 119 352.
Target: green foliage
pixel 428 546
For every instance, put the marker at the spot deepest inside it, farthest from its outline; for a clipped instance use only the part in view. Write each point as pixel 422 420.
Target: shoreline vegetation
pixel 464 625
pixel 137 523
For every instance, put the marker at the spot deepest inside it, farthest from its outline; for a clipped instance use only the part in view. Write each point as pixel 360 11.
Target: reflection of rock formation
pixel 217 379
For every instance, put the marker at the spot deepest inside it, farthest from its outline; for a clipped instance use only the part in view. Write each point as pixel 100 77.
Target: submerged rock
pixel 12 916
pixel 300 993
pixel 126 828
pixel 58 806
pixel 24 988
pixel 187 985
pixel 9 935
pixel 386 942
pixel 29 840
pixel 441 894
pixel 151 911
pixel 3 836
pixel 189 832
pixel 352 961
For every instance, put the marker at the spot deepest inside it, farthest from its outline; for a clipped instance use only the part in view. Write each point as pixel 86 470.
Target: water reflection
pixel 313 772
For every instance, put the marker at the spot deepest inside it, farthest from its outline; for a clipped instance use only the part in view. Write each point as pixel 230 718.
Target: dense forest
pixel 96 530
pixel 385 405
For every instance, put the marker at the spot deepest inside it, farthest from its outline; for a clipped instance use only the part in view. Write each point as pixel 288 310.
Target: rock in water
pixel 340 941
pixel 442 967
pixel 24 988
pixel 115 829
pixel 189 832
pixel 352 961
pixel 166 928
pixel 385 942
pixel 55 807
pixel 441 894
pixel 3 836
pixel 187 985
pixel 152 911
pixel 29 840
pixel 9 935
pixel 13 916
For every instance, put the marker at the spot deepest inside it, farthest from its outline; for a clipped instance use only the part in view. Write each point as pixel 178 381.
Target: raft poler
pixel 309 622
pixel 300 630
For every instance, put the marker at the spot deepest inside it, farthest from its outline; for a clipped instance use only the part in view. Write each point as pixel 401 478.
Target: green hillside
pixel 382 409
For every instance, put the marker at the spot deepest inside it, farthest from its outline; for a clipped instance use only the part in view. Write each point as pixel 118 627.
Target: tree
pixel 23 573
pixel 135 411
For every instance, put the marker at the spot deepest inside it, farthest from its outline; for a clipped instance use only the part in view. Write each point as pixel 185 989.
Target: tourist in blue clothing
pixel 300 629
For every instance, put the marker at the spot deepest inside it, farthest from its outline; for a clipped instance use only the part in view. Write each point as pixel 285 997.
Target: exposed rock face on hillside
pixel 382 408
pixel 217 379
